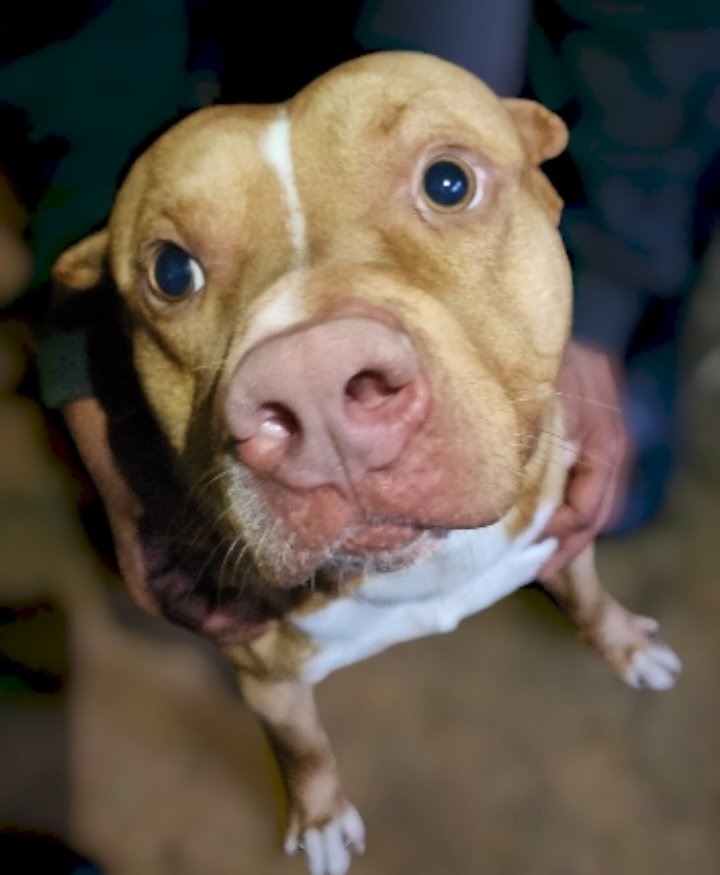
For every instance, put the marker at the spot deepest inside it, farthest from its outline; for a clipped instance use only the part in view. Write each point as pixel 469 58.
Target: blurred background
pixel 506 747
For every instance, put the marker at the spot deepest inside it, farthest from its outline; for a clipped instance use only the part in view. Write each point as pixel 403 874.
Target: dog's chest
pixel 468 572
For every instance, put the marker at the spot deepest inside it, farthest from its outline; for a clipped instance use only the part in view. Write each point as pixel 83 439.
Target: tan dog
pixel 347 314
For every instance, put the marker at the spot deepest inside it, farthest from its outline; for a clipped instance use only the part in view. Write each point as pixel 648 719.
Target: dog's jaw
pixel 347 544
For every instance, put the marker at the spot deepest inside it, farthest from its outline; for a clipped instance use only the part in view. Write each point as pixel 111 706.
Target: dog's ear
pixel 544 135
pixel 81 266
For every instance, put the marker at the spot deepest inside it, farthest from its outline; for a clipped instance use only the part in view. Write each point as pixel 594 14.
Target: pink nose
pixel 327 403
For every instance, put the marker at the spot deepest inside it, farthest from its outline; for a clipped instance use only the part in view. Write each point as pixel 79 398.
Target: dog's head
pixel 348 311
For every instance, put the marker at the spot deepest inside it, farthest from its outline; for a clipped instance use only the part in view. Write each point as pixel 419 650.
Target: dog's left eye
pixel 448 185
pixel 175 274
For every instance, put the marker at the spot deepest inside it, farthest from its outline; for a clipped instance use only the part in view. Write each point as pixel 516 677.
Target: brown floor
pixel 504 748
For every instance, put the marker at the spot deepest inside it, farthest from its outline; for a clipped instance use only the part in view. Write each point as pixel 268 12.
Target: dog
pixel 346 314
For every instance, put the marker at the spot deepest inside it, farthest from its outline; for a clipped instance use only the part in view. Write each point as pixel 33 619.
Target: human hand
pixel 588 386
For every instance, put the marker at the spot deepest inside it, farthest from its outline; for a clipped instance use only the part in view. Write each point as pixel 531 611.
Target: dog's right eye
pixel 175 274
pixel 449 185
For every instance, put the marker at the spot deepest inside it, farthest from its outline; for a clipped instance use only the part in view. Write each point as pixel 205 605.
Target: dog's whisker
pixel 585 456
pixel 612 408
pixel 206 481
pixel 240 567
pixel 188 531
pixel 189 522
pixel 540 392
pixel 223 566
pixel 583 399
pixel 200 574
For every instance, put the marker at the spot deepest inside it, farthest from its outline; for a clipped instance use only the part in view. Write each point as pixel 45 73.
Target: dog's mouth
pixel 380 538
pixel 386 547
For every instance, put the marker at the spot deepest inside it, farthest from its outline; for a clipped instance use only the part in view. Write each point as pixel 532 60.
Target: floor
pixel 505 748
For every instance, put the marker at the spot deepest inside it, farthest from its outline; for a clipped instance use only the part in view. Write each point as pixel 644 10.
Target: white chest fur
pixel 468 572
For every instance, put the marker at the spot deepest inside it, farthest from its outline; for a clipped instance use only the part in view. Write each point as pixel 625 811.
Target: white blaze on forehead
pixel 277 149
pixel 281 309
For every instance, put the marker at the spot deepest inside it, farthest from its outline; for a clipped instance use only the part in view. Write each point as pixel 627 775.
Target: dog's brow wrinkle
pixel 277 149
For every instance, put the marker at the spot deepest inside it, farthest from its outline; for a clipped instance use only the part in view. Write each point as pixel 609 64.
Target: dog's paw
pixel 647 662
pixel 328 848
pixel 631 644
pixel 653 667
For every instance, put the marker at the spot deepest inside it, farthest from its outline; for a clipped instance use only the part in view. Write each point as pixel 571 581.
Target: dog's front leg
pixel 320 819
pixel 628 642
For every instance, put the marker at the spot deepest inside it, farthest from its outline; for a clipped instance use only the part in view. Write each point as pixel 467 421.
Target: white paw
pixel 328 849
pixel 655 667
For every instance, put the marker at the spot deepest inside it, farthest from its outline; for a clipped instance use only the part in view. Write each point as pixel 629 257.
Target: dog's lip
pixel 387 538
pixel 387 547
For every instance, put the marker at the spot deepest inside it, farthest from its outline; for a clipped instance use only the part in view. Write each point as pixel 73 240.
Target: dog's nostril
pixel 369 389
pixel 265 437
pixel 277 422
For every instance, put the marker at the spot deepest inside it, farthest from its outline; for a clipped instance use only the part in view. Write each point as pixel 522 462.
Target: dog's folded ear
pixel 544 135
pixel 81 266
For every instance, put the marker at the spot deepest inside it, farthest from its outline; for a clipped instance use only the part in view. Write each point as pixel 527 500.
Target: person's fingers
pixel 577 532
pixel 576 523
pixel 584 497
pixel 594 424
pixel 568 549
